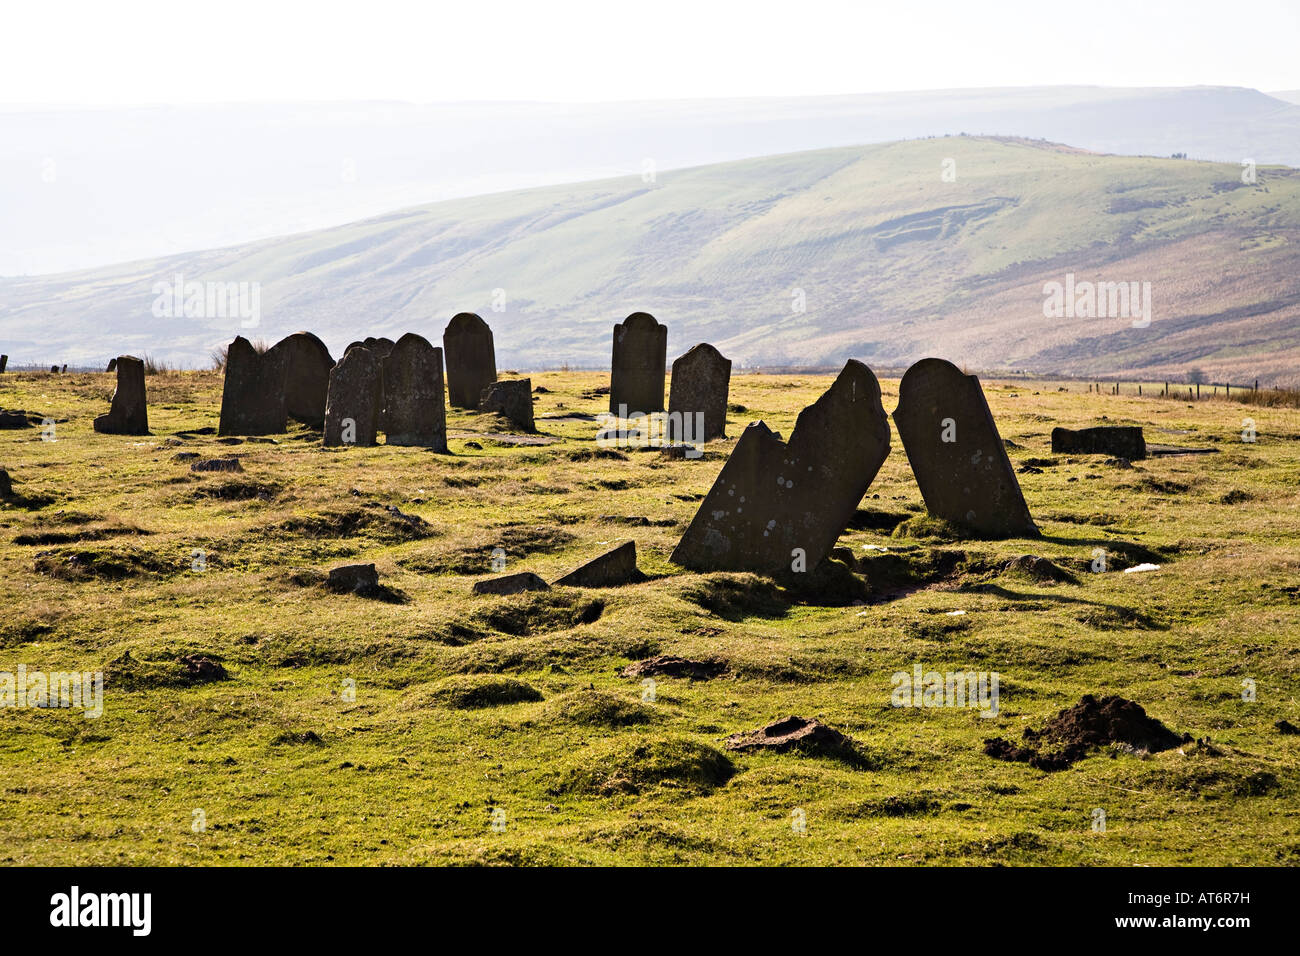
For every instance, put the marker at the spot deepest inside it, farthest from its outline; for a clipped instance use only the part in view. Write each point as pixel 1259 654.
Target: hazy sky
pixel 131 52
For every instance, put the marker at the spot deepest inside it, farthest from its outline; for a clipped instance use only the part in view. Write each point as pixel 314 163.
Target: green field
pixel 465 704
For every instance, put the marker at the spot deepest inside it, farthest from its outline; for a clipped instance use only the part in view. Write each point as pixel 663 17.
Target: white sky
pixel 191 51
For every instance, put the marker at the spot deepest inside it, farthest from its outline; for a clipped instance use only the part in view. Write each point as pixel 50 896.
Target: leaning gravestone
pixel 957 456
pixel 252 400
pixel 415 413
pixel 1120 441
pixel 701 379
pixel 636 381
pixel 128 414
pixel 779 506
pixel 112 365
pixel 512 398
pixel 4 362
pixel 306 377
pixel 471 359
pixel 355 399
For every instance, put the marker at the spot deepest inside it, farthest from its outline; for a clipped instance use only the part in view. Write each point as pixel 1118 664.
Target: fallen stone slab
pixel 956 453
pixel 1117 441
pixel 216 464
pixel 14 419
pixel 668 665
pixel 511 584
pixel 1164 451
pixel 780 507
pixel 358 578
pixel 609 570
pixel 802 734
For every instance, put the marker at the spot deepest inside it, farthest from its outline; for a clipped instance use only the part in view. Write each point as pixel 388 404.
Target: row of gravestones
pixel 378 384
pixel 779 506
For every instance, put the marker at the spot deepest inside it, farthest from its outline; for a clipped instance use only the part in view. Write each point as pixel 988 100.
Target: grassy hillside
pixel 467 704
pixel 894 263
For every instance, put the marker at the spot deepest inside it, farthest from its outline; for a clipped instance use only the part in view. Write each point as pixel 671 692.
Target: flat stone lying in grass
pixel 774 503
pixel 14 419
pixel 129 412
pixel 358 578
pixel 956 453
pixel 668 665
pixel 214 464
pixel 511 584
pixel 1114 440
pixel 609 570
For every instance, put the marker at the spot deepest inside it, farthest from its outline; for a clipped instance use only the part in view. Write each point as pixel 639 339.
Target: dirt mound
pixel 1038 568
pixel 734 597
pixel 667 665
pixel 598 708
pixel 1093 722
pixel 643 763
pixel 539 612
pixel 802 734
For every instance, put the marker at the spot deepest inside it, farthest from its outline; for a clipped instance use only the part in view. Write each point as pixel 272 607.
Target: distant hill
pixel 83 188
pixel 893 262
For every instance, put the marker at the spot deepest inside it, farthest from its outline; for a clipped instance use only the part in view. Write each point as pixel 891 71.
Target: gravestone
pixel 608 570
pixel 471 359
pixel 355 399
pixel 512 398
pixel 636 380
pixel 306 376
pixel 780 506
pixel 415 413
pixel 956 454
pixel 511 584
pixel 380 346
pixel 112 365
pixel 252 400
pixel 128 414
pixel 1116 440
pixel 6 485
pixel 4 362
pixel 701 379
pixel 54 369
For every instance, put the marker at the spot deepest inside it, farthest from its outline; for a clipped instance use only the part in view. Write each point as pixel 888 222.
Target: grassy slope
pixel 895 264
pixel 400 776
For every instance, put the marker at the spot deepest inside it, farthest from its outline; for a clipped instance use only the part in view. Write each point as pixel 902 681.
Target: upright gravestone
pixel 779 506
pixel 957 456
pixel 415 412
pixel 636 381
pixel 128 414
pixel 380 346
pixel 471 359
pixel 698 395
pixel 306 376
pixel 252 399
pixel 4 362
pixel 355 400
